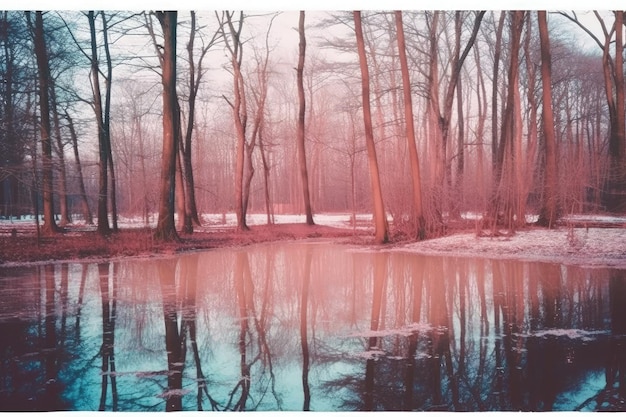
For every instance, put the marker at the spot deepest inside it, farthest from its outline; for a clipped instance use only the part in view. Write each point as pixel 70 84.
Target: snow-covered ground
pixel 597 247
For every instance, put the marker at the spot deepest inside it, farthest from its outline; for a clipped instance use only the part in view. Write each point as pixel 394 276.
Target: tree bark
pixel 166 229
pixel 549 210
pixel 240 115
pixel 49 226
pixel 81 183
pixel 194 85
pixel 418 209
pixel 103 181
pixel 494 96
pixel 304 175
pixel 380 220
pixel 61 168
pixel 107 120
pixel 616 200
pixel 505 201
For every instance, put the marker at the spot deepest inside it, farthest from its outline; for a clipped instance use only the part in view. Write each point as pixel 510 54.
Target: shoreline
pixel 590 247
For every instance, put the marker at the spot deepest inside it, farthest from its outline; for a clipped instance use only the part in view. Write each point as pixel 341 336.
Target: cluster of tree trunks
pixel 523 151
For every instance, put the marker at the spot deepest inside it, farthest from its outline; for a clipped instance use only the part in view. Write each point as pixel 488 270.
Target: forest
pixel 418 117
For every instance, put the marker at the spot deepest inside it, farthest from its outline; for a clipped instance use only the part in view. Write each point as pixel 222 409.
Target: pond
pixel 310 326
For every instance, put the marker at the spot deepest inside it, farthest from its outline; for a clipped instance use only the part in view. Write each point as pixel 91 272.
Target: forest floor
pixel 583 240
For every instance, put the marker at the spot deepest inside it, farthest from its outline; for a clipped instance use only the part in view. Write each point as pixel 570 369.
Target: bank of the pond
pixel 23 246
pixel 585 246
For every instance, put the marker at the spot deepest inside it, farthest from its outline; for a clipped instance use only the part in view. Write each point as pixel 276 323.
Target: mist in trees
pixel 410 120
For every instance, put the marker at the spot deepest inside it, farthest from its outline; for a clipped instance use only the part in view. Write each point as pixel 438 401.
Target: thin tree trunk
pixel 481 99
pixel 49 226
pixel 304 175
pixel 266 179
pixel 507 174
pixel 81 183
pixel 103 181
pixel 418 209
pixel 61 168
pixel 380 220
pixel 239 114
pixel 107 120
pixel 460 153
pixel 183 204
pixel 166 229
pixel 617 181
pixel 494 97
pixel 549 210
pixel 180 192
pixel 194 84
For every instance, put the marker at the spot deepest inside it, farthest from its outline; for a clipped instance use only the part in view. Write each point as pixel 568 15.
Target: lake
pixel 311 326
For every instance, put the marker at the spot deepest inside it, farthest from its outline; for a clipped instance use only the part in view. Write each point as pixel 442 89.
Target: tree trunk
pixel 443 173
pixel 194 84
pixel 269 211
pixel 549 210
pixel 304 175
pixel 418 209
pixel 103 180
pixel 81 183
pixel 166 229
pixel 505 201
pixel 49 226
pixel 494 97
pixel 616 198
pixel 60 151
pixel 240 115
pixel 107 118
pixel 380 220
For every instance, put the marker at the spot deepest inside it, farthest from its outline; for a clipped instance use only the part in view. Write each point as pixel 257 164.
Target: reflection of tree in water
pixel 613 396
pixel 253 344
pixel 108 294
pixel 32 351
pixel 480 354
pixel 453 334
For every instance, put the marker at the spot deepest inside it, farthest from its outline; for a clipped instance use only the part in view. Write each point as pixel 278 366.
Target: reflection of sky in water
pixel 558 319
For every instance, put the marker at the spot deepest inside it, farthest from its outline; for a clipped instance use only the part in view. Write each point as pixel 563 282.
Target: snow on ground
pixel 597 247
pixel 331 219
pixel 593 246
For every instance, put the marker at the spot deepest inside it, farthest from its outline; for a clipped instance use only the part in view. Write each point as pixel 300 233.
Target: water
pixel 297 326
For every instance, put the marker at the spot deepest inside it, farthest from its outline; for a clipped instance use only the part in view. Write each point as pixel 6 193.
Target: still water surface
pixel 311 325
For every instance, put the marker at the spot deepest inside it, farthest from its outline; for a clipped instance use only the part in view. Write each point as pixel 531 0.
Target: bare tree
pixel 60 151
pixel 259 90
pixel 443 119
pixel 81 183
pixel 304 175
pixel 235 47
pixel 380 218
pixel 196 72
pixel 103 134
pixel 166 229
pixel 494 92
pixel 49 226
pixel 549 209
pixel 506 200
pixel 418 210
pixel 107 118
pixel 613 70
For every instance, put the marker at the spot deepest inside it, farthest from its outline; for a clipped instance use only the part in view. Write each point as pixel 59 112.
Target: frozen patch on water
pixel 173 393
pixel 402 331
pixel 372 354
pixel 585 335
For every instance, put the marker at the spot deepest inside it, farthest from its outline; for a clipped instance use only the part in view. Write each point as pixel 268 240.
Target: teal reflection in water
pixel 311 326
